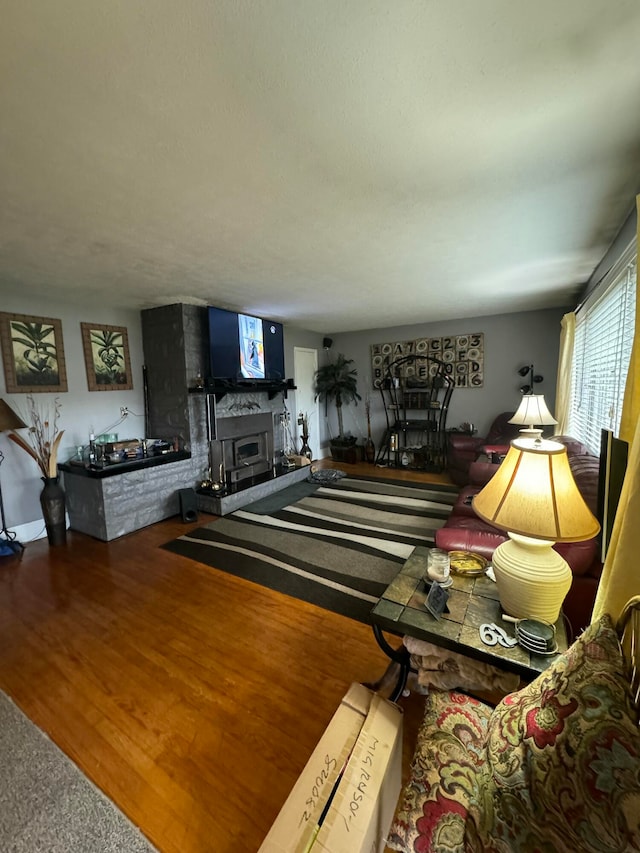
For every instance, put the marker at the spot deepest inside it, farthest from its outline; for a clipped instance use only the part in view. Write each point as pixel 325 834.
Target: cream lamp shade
pixel 532 410
pixel 534 497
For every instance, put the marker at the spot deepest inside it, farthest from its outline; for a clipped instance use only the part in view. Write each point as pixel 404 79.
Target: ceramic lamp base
pixel 532 578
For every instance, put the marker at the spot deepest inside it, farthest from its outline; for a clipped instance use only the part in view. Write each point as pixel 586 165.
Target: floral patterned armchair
pixel 555 766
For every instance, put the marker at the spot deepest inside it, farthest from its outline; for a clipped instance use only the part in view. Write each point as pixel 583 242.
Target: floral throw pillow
pixel 442 795
pixel 563 756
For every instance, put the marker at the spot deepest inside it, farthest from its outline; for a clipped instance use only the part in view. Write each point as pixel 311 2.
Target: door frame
pixel 314 416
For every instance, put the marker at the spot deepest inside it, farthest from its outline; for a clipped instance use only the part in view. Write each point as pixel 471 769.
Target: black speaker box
pixel 188 505
pixel 326 343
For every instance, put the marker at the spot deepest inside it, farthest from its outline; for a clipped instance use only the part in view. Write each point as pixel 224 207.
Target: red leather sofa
pixel 464 531
pixel 464 449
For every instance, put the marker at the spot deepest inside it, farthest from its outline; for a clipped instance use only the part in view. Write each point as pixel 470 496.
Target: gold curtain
pixel 563 382
pixel 631 403
pixel 621 572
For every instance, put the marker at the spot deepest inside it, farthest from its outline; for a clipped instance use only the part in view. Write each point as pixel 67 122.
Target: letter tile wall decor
pixel 462 356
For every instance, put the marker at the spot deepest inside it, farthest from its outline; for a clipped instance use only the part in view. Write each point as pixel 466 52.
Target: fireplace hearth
pixel 246 461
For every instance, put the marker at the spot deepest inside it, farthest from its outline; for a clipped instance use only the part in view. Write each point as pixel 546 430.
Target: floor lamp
pixel 8 421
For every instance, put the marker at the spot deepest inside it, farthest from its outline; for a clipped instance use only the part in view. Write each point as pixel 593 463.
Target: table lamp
pixel 534 497
pixel 532 410
pixel 8 421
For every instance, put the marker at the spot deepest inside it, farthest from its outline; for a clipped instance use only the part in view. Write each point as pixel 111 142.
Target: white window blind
pixel 602 349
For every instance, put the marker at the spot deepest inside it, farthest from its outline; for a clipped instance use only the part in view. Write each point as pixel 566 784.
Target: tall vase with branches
pixel 42 443
pixel 44 435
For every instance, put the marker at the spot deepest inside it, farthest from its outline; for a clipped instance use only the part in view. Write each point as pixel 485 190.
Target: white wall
pixel 295 337
pixel 510 341
pixel 84 411
pixel 81 410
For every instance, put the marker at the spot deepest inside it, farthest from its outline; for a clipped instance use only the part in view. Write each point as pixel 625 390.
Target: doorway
pixel 305 364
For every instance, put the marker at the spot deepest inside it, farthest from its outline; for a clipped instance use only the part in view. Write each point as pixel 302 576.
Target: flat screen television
pixel 244 348
pixel 613 465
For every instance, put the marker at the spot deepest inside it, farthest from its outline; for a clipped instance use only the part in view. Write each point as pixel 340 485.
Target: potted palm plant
pixel 337 382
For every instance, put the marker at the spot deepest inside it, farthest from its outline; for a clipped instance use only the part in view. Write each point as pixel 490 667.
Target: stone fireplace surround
pixel 175 344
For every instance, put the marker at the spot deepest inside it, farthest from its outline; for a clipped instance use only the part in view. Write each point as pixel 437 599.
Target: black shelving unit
pixel 416 416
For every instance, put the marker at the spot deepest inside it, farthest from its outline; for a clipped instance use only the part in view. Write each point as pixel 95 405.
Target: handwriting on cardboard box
pixel 361 779
pixel 330 765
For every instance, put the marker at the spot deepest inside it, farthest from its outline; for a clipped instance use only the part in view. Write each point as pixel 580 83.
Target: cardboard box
pixel 295 826
pixel 345 798
pixel 365 801
pixel 299 461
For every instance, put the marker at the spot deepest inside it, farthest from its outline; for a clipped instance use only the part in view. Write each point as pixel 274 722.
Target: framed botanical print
pixel 33 354
pixel 106 356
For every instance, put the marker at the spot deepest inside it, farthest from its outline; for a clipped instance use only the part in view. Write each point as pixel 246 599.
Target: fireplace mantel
pixel 219 388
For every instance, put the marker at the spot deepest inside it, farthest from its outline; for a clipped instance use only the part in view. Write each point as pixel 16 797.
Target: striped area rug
pixel 338 546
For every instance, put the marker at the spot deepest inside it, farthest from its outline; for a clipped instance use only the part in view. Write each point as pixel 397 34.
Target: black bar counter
pixel 109 469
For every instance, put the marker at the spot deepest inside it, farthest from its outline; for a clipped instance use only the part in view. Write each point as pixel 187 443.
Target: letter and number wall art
pixel 462 356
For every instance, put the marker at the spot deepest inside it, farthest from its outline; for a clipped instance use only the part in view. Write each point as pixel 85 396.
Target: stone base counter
pixel 109 502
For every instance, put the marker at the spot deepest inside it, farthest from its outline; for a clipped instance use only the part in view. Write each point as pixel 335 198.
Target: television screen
pixel 251 347
pixel 244 347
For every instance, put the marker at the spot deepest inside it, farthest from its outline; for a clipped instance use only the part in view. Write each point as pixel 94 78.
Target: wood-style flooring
pixel 192 698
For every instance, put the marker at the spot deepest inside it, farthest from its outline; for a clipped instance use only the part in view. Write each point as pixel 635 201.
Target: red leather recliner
pixel 462 450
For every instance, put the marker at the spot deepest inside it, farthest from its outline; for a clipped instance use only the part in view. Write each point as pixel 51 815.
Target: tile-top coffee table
pixel 473 601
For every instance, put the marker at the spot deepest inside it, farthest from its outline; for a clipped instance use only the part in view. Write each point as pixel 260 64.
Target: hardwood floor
pixel 192 698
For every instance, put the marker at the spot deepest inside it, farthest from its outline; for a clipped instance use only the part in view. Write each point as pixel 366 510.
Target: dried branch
pixel 43 439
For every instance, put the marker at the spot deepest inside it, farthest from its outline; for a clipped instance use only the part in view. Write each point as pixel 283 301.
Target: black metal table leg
pixel 400 661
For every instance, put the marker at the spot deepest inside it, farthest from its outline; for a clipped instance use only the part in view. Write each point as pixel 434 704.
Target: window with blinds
pixel 602 350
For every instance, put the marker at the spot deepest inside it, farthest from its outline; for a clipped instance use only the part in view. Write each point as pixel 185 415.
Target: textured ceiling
pixel 339 165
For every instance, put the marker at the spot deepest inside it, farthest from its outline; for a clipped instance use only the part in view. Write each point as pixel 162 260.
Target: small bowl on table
pixel 467 564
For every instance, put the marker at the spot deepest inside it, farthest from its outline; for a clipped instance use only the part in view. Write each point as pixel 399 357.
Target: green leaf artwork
pixel 34 353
